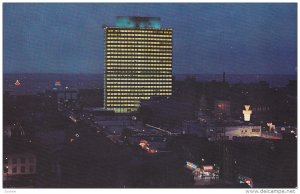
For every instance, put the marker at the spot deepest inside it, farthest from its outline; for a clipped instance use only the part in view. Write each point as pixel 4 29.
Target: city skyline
pixel 208 38
pixel 197 95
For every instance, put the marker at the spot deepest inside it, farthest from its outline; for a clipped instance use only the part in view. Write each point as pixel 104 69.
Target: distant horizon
pixel 173 73
pixel 37 82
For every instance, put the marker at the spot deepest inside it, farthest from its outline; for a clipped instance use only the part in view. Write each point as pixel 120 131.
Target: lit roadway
pixel 90 122
pixel 86 119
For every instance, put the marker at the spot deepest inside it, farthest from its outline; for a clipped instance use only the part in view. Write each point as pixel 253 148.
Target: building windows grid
pixel 138 65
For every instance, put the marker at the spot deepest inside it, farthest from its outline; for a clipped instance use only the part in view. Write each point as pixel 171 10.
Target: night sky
pixel 208 38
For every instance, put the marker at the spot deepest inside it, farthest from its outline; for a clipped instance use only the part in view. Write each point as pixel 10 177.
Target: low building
pixel 19 170
pixel 167 112
pixel 67 95
pixel 19 164
pixel 242 131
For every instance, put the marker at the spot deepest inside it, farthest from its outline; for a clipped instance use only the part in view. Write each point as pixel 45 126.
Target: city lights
pixel 86 106
pixel 17 83
pixel 247 113
pixel 271 126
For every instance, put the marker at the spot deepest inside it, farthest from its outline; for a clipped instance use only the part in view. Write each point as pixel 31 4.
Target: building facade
pixel 19 164
pixel 242 131
pixel 137 62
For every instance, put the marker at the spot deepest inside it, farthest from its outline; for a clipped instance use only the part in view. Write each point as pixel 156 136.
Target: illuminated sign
pixel 151 151
pixel 137 22
pixel 144 144
pixel 208 167
pixel 247 113
pixel 247 180
pixel 271 126
pixel 198 170
pixel 191 165
pixel 57 83
pixel 17 83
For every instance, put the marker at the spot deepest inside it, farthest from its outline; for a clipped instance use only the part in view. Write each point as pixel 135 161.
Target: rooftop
pixel 138 22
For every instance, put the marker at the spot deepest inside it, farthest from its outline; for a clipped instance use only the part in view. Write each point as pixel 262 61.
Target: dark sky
pixel 208 38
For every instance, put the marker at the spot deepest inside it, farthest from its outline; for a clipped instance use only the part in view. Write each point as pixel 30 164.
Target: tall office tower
pixel 137 62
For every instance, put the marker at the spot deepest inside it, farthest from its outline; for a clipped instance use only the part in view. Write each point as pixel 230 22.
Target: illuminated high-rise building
pixel 137 62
